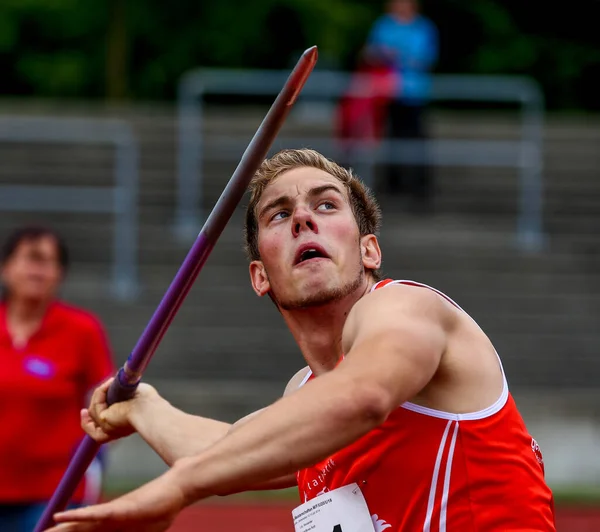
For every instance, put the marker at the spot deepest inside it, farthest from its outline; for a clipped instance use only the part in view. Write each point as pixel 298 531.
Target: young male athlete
pixel 402 420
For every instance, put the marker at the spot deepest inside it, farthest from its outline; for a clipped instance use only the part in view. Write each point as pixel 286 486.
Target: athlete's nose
pixel 303 220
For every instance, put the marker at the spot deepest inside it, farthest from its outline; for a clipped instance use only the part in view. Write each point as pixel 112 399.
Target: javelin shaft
pixel 129 376
pixel 252 158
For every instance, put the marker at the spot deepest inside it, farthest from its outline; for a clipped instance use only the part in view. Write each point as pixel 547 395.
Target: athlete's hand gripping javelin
pixel 105 424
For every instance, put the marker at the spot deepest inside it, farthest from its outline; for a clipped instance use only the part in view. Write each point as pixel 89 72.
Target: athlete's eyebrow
pixel 317 191
pixel 278 202
pixel 286 200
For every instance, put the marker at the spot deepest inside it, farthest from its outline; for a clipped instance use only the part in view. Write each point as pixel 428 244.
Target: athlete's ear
pixel 370 251
pixel 259 278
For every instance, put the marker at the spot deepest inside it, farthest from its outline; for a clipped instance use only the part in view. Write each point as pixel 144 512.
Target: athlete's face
pixel 309 242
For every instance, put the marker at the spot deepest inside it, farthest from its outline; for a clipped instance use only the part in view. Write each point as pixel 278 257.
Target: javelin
pixel 129 376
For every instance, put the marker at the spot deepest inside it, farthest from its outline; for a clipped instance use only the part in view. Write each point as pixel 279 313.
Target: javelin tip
pixel 301 72
pixel 311 54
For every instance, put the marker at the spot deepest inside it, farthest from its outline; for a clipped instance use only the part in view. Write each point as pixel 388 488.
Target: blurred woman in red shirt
pixel 51 355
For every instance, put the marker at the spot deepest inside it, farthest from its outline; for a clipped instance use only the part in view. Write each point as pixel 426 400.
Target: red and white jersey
pixel 433 471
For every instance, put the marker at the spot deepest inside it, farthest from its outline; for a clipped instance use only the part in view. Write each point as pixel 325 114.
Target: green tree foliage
pixel 52 47
pixel 558 45
pixel 239 34
pixel 116 48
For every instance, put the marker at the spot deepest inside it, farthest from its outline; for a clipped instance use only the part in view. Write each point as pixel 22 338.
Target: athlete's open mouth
pixel 308 252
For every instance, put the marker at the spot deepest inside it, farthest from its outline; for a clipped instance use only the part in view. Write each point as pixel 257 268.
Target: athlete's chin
pixel 315 292
pixel 309 300
pixel 317 281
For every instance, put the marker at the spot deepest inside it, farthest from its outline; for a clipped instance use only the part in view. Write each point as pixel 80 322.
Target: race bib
pixel 340 510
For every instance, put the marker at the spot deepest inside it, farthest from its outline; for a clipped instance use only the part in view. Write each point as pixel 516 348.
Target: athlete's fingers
pixel 115 416
pixel 98 401
pixel 110 511
pixel 91 428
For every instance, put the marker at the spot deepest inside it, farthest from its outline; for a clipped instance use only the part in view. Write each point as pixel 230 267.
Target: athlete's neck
pixel 318 330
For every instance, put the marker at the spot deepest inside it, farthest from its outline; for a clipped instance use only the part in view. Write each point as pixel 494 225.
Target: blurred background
pixel 121 122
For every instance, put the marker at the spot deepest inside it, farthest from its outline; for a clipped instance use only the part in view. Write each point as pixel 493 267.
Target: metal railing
pixel 523 154
pixel 120 198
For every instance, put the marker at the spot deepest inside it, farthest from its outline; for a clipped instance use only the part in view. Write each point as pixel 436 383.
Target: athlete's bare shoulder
pixel 296 380
pixel 394 306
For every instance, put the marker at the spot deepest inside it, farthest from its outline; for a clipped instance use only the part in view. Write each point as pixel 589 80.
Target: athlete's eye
pixel 279 215
pixel 326 206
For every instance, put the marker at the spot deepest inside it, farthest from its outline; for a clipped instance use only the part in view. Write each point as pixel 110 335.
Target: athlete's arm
pixel 170 432
pixel 394 340
pixel 174 435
